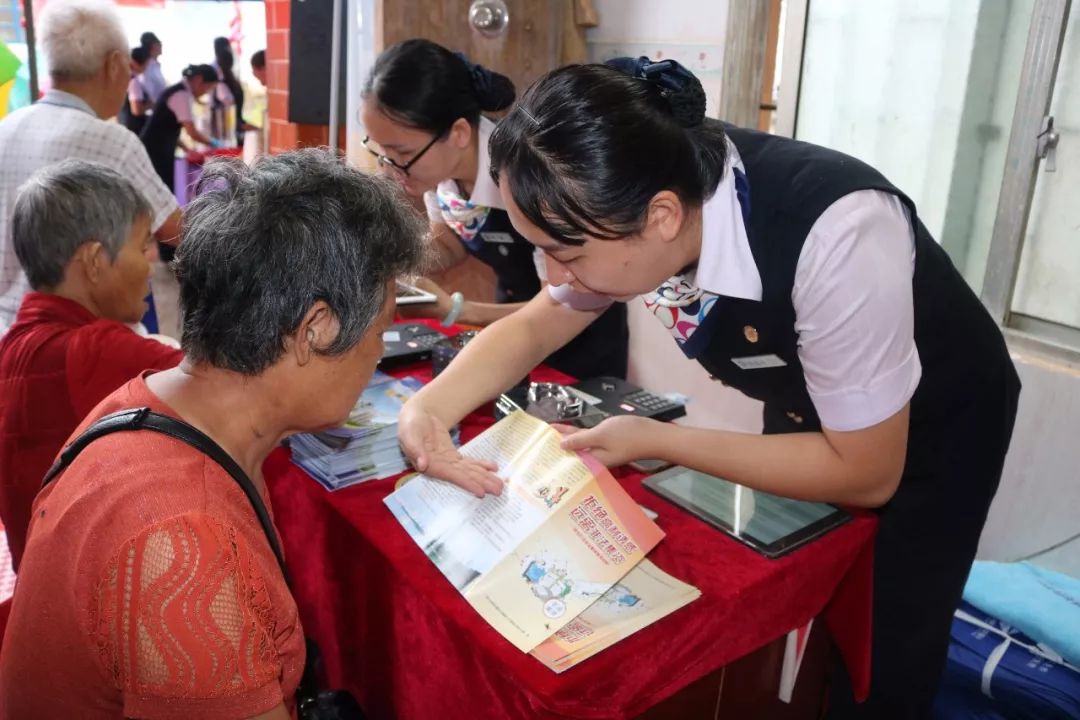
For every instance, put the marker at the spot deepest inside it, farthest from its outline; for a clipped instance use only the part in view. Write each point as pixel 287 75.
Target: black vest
pixel 961 349
pixel 162 130
pixel 132 122
pixel 600 350
pixel 237 91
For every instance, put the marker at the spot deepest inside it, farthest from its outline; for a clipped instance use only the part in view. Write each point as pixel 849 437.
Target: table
pixel 399 636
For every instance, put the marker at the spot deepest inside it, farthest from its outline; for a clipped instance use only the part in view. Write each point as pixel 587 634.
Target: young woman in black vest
pixel 229 93
pixel 422 108
pixel 173 113
pixel 793 273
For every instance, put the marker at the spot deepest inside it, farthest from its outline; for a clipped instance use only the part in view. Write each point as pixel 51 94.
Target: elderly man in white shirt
pixel 87 55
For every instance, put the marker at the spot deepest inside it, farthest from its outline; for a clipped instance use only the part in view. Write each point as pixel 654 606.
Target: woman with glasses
pixel 422 108
pixel 791 272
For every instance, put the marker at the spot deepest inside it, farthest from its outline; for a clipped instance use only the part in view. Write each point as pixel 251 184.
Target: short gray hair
pixel 261 245
pixel 65 205
pixel 75 36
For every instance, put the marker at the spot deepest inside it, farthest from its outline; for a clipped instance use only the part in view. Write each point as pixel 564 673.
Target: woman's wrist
pixel 457 305
pixel 422 404
pixel 658 440
pixel 468 315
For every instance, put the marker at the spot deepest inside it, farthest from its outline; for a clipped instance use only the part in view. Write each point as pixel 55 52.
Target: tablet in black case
pixel 771 525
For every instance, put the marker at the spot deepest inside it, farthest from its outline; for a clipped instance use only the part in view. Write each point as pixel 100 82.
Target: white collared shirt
pixel 485 192
pixel 58 127
pixel 853 299
pixel 182 103
pixel 726 261
pixel 137 91
pixel 154 80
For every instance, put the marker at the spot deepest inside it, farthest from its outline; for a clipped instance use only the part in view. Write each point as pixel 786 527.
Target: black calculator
pixel 619 397
pixel 601 398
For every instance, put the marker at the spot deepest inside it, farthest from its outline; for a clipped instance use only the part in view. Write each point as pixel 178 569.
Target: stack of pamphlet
pixel 366 446
pixel 556 563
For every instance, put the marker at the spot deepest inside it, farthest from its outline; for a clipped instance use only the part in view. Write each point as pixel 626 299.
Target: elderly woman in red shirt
pixel 82 234
pixel 148 588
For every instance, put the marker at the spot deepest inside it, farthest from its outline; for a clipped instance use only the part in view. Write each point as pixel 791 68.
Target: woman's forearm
pixel 499 356
pixel 860 468
pixel 484 314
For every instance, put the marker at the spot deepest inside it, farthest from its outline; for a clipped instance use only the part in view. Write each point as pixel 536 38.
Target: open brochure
pixel 561 535
pixel 643 596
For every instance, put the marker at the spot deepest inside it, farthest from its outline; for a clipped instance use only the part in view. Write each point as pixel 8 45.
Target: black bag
pixel 311 703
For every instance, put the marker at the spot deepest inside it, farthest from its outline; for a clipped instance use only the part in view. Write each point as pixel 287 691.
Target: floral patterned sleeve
pixel 184 623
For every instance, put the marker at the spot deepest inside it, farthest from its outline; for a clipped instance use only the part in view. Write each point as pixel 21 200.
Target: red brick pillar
pixel 284 135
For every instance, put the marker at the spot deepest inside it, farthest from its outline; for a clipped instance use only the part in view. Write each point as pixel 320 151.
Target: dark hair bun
pixel 206 72
pixel 497 94
pixel 688 104
pixel 493 91
pixel 679 86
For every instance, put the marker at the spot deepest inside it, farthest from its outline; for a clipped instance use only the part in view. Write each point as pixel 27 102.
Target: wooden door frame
pixel 750 41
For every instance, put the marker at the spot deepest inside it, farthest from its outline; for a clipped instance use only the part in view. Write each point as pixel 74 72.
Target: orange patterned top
pixel 148 590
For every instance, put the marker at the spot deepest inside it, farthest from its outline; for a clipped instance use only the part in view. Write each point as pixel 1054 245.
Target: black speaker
pixel 310 33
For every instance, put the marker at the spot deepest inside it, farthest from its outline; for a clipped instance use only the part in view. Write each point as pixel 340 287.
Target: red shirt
pixel 147 589
pixel 57 362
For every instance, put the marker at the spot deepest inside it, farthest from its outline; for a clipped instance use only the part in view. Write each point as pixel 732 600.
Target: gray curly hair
pixel 260 245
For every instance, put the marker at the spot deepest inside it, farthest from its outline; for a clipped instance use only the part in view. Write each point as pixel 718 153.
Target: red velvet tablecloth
pixel 400 637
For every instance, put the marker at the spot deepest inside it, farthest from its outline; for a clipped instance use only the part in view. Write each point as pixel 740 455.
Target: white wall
pixel 689 31
pixel 1038 503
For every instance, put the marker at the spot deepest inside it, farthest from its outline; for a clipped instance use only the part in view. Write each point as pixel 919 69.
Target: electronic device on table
pixel 587 403
pixel 444 352
pixel 771 525
pixel 411 295
pixel 619 397
pixel 405 343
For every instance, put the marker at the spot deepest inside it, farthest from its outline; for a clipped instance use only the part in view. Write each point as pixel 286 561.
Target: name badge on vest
pixel 758 362
pixel 498 237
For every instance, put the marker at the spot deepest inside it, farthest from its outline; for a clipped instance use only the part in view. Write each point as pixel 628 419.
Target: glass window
pixel 924 91
pixel 1048 281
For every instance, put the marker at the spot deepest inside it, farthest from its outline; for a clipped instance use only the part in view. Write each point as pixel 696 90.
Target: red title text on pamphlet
pixel 596 525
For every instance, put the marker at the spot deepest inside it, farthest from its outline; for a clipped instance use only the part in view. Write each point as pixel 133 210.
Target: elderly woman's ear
pixel 93 258
pixel 317 331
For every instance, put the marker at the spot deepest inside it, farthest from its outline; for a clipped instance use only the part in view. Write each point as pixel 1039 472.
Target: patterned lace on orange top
pixel 182 610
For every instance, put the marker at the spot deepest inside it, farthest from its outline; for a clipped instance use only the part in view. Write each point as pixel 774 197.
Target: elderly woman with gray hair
pixel 149 588
pixel 81 234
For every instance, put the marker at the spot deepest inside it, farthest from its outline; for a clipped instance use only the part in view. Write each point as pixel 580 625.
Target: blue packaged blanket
pixel 1042 604
pixel 995 672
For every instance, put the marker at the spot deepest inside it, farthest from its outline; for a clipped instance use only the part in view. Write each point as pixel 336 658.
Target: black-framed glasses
pixel 390 162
